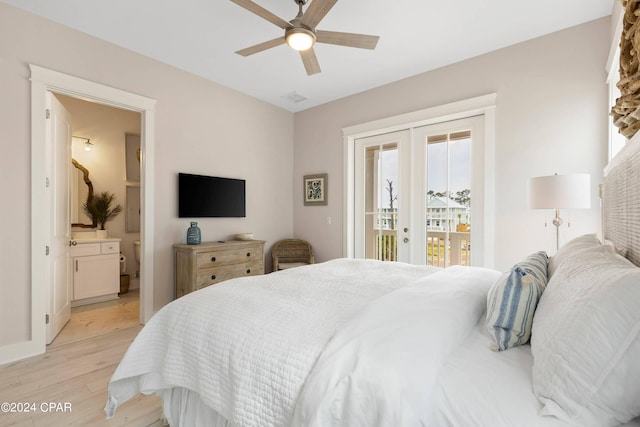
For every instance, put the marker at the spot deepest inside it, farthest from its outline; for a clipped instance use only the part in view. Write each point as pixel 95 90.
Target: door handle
pixel 406 240
pixel 76 266
pixel 406 230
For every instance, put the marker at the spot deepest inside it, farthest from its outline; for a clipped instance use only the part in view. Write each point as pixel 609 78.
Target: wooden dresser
pixel 199 266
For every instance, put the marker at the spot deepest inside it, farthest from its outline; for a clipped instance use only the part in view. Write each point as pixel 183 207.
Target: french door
pixel 381 210
pixel 413 190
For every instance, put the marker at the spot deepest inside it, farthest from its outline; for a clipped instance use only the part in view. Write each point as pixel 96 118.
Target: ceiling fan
pixel 300 33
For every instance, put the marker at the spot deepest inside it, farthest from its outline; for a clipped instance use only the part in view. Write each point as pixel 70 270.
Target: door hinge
pixel 46 319
pixel 46 182
pixel 48 113
pixel 46 250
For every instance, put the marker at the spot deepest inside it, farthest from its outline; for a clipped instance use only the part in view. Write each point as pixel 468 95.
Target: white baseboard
pixel 20 350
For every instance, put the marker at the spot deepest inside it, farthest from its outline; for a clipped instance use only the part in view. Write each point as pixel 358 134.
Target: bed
pixel 551 342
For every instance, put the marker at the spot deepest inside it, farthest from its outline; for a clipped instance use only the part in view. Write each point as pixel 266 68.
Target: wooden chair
pixel 291 253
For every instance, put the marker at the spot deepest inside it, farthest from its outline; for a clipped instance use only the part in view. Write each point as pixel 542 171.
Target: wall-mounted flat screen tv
pixel 202 196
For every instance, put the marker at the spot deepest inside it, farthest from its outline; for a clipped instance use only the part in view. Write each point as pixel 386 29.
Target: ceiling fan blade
pixel 263 13
pixel 316 11
pixel 310 61
pixel 362 41
pixel 261 46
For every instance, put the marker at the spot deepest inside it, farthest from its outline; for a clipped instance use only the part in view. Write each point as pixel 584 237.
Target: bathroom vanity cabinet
pixel 95 267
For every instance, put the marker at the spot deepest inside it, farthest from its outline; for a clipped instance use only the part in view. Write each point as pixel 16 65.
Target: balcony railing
pixel 440 252
pixel 386 245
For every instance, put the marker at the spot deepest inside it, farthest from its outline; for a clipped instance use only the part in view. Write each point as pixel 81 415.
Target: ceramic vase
pixel 193 234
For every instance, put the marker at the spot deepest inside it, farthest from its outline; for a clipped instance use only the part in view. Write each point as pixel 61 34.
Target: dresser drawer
pixel 211 276
pixel 199 266
pixel 232 256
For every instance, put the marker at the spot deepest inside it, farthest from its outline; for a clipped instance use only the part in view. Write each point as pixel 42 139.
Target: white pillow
pixel 512 301
pixel 585 340
pixel 583 242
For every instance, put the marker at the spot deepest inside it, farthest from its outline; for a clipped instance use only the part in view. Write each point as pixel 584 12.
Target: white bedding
pixel 421 356
pixel 478 387
pixel 382 367
pixel 343 343
pixel 247 345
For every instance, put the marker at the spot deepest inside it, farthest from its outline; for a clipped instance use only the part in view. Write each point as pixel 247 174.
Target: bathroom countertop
pixel 95 240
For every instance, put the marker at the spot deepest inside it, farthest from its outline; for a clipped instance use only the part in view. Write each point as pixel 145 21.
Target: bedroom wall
pixel 201 127
pixel 551 116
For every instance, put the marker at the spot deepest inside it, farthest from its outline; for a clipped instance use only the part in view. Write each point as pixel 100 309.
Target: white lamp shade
pixel 560 192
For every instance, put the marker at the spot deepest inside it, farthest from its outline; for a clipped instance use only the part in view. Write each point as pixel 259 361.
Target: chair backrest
pixel 291 250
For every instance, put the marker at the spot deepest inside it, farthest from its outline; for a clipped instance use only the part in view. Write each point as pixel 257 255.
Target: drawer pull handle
pixel 248 253
pixel 213 259
pixel 248 270
pixel 213 277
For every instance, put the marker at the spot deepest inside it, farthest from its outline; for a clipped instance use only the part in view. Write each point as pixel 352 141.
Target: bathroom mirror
pixel 81 193
pixel 133 153
pixel 132 223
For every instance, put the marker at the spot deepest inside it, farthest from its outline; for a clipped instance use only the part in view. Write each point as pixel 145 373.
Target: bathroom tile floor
pixel 92 320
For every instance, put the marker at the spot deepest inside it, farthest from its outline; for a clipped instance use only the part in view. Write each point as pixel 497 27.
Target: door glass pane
pixel 460 198
pixel 437 185
pixel 448 213
pixel 381 202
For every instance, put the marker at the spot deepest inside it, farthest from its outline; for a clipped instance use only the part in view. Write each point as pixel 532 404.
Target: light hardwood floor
pixel 75 370
pixel 96 319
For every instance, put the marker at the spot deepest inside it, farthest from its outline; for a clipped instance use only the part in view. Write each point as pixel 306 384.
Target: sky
pixel 460 170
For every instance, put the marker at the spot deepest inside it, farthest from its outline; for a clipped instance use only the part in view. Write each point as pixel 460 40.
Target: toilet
pixel 136 251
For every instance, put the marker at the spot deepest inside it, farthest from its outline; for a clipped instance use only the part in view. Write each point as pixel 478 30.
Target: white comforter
pixel 246 346
pixel 382 368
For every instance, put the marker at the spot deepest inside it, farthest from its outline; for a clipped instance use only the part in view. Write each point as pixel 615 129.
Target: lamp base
pixel 557 221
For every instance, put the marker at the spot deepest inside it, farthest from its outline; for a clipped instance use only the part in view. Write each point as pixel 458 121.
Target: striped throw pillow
pixel 512 300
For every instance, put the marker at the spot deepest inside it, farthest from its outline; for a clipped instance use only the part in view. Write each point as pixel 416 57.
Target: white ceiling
pixel 415 36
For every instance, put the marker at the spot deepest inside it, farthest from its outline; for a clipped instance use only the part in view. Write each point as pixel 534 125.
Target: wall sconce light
pixel 85 141
pixel 560 192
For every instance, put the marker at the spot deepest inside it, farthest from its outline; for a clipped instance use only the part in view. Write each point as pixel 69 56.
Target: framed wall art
pixel 315 190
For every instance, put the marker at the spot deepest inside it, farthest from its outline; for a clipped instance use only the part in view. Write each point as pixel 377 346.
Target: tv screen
pixel 209 196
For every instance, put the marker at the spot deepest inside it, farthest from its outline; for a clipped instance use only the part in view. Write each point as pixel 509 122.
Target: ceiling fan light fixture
pixel 300 39
pixel 300 32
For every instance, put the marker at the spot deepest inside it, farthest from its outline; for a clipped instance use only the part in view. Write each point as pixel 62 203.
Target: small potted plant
pixel 100 209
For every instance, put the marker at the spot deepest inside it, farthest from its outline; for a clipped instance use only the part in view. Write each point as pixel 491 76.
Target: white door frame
pixel 42 81
pixel 482 105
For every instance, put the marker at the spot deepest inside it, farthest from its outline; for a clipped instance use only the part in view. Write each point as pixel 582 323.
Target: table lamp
pixel 559 192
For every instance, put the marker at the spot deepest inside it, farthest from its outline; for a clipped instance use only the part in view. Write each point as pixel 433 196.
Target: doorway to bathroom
pixel 43 297
pixel 105 158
